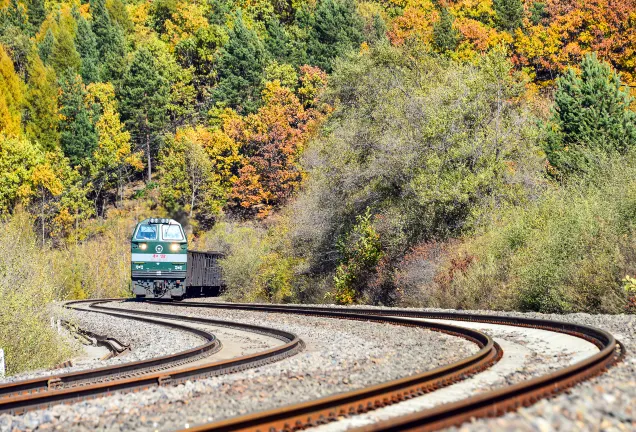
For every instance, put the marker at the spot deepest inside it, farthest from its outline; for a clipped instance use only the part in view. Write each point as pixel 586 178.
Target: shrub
pixel 567 252
pixel 258 265
pixel 361 251
pixel 431 145
pixel 27 290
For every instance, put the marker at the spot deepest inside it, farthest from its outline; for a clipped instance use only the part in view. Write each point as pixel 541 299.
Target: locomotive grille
pixel 158 274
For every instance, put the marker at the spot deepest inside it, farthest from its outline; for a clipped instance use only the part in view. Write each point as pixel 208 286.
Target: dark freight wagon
pixel 204 274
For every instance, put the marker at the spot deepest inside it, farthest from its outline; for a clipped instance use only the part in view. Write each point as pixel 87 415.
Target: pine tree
pixel 11 96
pixel 45 47
pixel 277 41
pixel 36 13
pixel 240 67
pixel 144 97
pixel 445 37
pixel 78 136
pixel 110 42
pixel 336 29
pixel 64 56
pixel 591 118
pixel 15 15
pixel 509 13
pixel 87 47
pixel 41 103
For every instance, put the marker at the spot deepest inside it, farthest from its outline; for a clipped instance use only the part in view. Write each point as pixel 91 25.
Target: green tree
pixel 110 42
pixel 86 43
pixel 41 105
pixel 240 67
pixel 64 56
pixel 14 14
pixel 45 47
pixel 144 96
pixel 78 136
pixel 445 37
pixel 509 13
pixel 119 14
pixel 189 181
pixel 336 29
pixel 277 41
pixel 36 12
pixel 538 12
pixel 591 117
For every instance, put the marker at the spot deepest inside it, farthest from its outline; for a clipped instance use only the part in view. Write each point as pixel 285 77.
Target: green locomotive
pixel 162 266
pixel 159 254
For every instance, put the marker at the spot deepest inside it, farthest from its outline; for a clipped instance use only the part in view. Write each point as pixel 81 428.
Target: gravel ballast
pixel 345 355
pixel 146 341
pixel 341 355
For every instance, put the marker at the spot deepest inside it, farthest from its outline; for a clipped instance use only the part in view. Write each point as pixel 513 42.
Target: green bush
pixel 27 291
pixel 361 250
pixel 568 252
pixel 258 265
pixel 430 145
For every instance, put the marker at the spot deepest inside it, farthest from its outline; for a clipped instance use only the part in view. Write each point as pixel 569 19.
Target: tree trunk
pixel 148 156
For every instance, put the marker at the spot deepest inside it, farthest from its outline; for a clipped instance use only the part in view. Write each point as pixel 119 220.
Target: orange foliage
pixel 272 140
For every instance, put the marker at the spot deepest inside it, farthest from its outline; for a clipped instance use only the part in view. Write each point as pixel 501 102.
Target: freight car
pixel 162 266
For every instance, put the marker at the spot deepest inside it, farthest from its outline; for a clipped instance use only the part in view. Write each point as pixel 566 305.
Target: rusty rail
pixel 22 396
pixel 488 404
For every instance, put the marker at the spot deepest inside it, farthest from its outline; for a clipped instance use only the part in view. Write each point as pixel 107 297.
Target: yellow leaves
pixel 113 148
pixel 222 150
pixel 11 96
pixel 417 21
pixel 44 176
pixel 188 18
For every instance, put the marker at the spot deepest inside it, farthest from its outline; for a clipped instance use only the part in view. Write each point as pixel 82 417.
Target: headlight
pixel 174 247
pixel 143 246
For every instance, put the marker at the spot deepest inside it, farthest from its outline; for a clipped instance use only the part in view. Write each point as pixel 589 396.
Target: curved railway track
pixel 21 396
pixel 330 408
pixel 489 404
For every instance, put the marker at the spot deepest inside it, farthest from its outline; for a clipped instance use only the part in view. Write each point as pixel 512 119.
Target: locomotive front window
pixel 146 232
pixel 172 232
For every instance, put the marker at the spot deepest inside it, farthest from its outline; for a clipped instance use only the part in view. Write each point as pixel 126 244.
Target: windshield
pixel 171 232
pixel 146 232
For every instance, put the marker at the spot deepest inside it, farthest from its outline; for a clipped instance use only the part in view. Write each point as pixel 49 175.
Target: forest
pixel 460 154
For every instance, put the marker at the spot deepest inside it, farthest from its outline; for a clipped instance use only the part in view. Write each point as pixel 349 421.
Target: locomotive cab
pixel 159 255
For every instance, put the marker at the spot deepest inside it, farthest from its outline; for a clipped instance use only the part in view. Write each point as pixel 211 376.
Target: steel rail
pixel 488 404
pixel 20 403
pixel 110 373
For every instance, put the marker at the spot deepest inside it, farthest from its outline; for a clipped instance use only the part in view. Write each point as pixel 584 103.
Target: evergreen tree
pixel 509 13
pixel 14 15
pixel 144 98
pixel 538 12
pixel 41 103
pixel 119 14
pixel 591 117
pixel 36 13
pixel 110 42
pixel 64 56
pixel 336 29
pixel 219 11
pixel 445 37
pixel 240 67
pixel 277 41
pixel 78 136
pixel 87 47
pixel 45 47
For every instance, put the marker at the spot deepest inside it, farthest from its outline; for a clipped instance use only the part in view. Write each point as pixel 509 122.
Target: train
pixel 162 267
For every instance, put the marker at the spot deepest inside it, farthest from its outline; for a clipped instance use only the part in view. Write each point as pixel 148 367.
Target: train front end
pixel 159 255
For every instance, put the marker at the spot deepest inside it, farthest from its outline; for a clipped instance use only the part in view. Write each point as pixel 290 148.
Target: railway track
pixel 21 396
pixel 488 404
pixel 330 408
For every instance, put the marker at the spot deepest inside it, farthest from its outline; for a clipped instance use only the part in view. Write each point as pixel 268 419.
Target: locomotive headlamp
pixel 143 246
pixel 174 247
